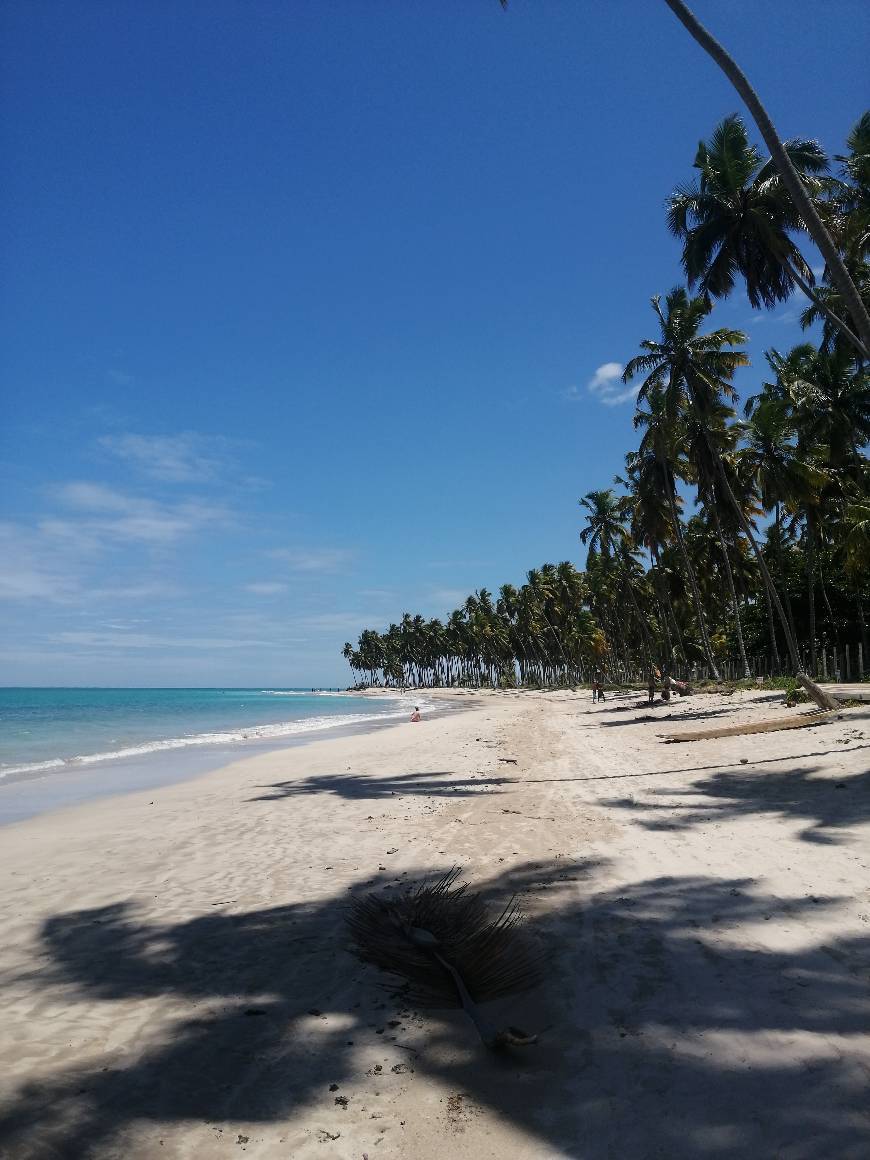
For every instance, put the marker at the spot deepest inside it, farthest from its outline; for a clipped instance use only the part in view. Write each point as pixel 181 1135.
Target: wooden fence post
pixel 848 662
pixel 824 664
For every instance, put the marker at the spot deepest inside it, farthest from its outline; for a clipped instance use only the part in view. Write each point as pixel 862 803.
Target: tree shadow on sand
pixel 668 1029
pixel 360 785
pixel 829 805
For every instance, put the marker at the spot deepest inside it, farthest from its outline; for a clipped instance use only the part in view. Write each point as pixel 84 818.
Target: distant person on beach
pixel 415 716
pixel 597 689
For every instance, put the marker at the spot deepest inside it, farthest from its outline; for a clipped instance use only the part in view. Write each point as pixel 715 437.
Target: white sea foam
pixel 388 694
pixel 251 733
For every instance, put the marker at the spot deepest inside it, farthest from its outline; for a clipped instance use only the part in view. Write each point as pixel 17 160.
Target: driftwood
pixel 805 721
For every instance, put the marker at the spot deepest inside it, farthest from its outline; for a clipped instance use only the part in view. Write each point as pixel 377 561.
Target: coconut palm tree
pixel 738 218
pixel 605 532
pixel 791 178
pixel 830 401
pixel 664 433
pixel 720 438
pixel 698 369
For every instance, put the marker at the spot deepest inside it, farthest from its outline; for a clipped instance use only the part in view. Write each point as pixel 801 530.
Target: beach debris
pixel 441 939
pixel 803 721
pixel 508 760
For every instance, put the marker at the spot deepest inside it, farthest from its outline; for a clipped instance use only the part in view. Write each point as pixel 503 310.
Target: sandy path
pixel 177 984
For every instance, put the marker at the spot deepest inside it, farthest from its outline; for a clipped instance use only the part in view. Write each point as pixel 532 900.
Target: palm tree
pixel 719 437
pixel 651 527
pixel 782 478
pixel 605 532
pixel 664 429
pixel 789 175
pixel 830 399
pixel 699 369
pixel 738 218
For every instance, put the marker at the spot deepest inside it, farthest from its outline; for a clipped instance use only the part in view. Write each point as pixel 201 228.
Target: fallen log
pixel 804 721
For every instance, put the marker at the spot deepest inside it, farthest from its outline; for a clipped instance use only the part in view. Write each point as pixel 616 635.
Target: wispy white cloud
pixel 447 598
pixel 52 563
pixel 266 587
pixel 110 514
pixel 314 559
pixel 62 558
pixel 140 640
pixel 30 572
pixel 185 458
pixel 119 378
pixel 329 622
pixel 148 590
pixel 606 386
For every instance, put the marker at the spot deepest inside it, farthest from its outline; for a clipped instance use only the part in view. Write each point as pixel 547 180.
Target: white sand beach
pixel 177 981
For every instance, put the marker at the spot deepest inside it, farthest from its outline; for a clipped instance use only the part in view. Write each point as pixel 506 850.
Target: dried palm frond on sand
pixel 441 938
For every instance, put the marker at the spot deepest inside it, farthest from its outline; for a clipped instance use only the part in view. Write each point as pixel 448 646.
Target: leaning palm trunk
pixel 859 604
pixel 826 310
pixel 837 271
pixel 729 575
pixel 771 628
pixel 663 612
pixel 781 568
pixel 640 618
pixel 811 591
pixel 693 581
pixel 822 699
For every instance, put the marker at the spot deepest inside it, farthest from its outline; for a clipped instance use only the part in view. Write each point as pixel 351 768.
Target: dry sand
pixel 177 984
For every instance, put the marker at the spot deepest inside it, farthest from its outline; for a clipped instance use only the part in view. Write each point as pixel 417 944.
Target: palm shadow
pixel 829 806
pixel 359 785
pixel 660 1015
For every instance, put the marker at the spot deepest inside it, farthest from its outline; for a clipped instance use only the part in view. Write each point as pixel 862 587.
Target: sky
pixel 313 313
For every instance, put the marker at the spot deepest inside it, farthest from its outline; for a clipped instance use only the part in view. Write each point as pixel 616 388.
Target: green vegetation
pixel 770 557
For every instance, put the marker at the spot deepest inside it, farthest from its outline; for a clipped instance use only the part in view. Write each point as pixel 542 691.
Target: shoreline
pixel 177 978
pixel 78 781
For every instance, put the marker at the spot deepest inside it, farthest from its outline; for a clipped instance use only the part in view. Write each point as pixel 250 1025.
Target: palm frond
pixel 442 940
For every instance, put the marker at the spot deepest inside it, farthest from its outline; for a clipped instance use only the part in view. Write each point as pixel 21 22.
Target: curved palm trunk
pixel 693 582
pixel 622 657
pixel 803 203
pixel 679 632
pixel 663 612
pixel 641 621
pixel 859 604
pixel 729 574
pixel 832 620
pixel 782 579
pixel 833 318
pixel 822 699
pixel 771 628
pixel 811 591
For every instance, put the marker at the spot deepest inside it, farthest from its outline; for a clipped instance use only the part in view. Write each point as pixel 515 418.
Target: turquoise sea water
pixel 46 732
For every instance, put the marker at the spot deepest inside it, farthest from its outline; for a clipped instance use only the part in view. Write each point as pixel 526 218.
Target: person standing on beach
pixel 597 688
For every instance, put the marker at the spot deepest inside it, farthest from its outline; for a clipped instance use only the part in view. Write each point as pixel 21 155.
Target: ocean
pixel 59 746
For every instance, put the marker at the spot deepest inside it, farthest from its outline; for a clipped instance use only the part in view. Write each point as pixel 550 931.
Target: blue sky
pixel 311 312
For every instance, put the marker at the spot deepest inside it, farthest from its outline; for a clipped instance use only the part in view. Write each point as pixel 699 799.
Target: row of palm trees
pixel 538 634
pixel 664 585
